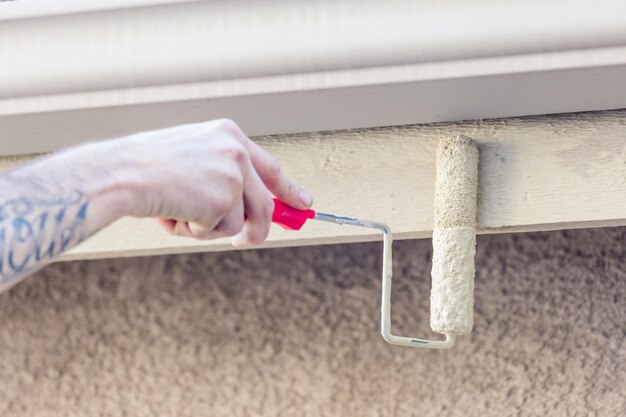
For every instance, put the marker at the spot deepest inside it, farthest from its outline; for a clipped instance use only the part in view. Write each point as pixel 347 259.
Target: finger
pixel 276 180
pixel 272 174
pixel 175 227
pixel 167 224
pixel 231 224
pixel 258 206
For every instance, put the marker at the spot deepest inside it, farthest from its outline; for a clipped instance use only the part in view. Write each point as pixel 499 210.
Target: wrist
pixel 101 174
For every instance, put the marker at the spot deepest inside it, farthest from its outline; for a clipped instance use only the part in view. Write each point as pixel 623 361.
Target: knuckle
pixel 234 185
pixel 257 234
pixel 231 227
pixel 228 125
pixel 236 152
pixel 268 207
pixel 221 205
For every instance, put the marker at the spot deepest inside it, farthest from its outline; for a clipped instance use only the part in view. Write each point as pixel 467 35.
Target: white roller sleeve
pixel 454 236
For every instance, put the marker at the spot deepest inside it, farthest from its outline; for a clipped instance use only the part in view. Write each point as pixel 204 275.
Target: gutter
pixel 111 68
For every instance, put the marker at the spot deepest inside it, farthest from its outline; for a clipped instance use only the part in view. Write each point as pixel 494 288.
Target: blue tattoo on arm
pixel 33 231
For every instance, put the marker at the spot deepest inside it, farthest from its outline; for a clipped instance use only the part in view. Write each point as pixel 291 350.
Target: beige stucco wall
pixel 294 332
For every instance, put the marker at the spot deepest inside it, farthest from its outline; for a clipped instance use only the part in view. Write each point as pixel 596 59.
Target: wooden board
pixel 538 173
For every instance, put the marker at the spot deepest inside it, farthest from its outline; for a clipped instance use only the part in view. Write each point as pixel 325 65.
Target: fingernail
pixel 239 241
pixel 305 198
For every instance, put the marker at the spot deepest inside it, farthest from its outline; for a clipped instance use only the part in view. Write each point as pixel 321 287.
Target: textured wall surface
pixel 295 333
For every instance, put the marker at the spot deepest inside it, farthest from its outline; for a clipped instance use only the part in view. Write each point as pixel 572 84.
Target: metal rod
pixel 385 309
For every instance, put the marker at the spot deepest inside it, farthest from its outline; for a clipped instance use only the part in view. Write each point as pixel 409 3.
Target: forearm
pixel 54 203
pixel 203 180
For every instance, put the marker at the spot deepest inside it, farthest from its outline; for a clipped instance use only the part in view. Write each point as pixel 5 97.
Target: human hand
pixel 206 180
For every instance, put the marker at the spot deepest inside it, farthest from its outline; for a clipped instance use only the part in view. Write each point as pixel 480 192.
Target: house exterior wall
pixel 294 332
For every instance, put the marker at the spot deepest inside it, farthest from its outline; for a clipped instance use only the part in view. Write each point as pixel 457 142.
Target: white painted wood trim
pixel 26 9
pixel 536 173
pixel 86 70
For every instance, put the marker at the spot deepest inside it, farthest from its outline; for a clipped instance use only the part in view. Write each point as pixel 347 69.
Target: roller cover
pixel 454 236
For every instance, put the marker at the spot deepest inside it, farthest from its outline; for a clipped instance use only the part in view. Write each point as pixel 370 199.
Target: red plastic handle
pixel 288 217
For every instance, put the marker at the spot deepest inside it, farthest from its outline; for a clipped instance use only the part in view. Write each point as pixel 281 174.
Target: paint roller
pixel 454 245
pixel 454 237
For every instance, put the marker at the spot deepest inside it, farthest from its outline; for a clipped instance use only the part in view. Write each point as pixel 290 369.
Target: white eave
pixel 76 70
